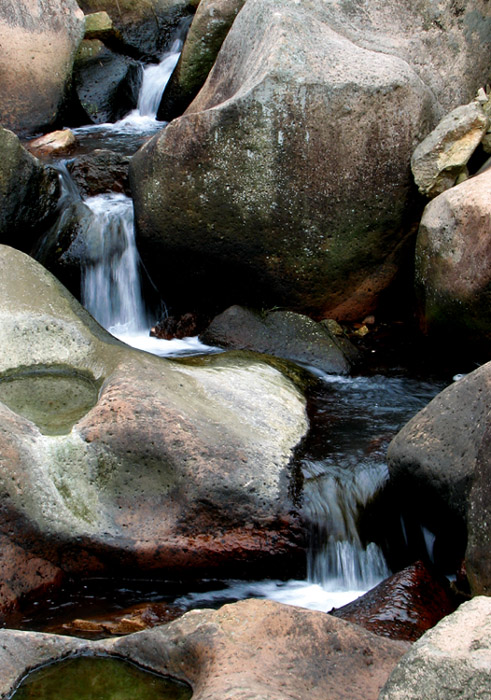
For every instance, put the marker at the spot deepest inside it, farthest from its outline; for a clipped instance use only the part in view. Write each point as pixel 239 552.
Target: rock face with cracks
pixel 112 459
pixel 287 181
pixel 39 39
pixel 251 650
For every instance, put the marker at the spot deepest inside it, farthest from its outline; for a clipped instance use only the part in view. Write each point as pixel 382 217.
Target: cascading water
pixel 111 288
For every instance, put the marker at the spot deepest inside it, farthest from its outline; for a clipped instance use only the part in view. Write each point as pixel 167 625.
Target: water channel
pixel 353 419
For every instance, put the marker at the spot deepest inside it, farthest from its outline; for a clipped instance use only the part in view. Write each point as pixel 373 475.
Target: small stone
pixel 56 142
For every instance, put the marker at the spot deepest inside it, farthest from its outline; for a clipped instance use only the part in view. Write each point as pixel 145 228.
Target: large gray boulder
pixel 29 193
pixel 287 180
pixel 252 650
pixel 432 460
pixel 111 458
pixel 453 264
pixel 452 661
pixel 39 41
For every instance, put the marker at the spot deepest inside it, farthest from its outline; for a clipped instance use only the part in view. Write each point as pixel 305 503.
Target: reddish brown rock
pixel 100 171
pixel 56 142
pixel 403 606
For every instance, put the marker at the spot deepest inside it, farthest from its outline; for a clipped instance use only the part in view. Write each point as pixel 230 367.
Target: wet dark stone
pixel 403 606
pixel 100 171
pixel 183 326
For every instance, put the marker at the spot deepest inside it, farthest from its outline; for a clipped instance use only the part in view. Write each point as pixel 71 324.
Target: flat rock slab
pixel 251 650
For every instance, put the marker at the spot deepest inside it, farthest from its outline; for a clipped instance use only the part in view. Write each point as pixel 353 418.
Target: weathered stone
pixel 403 606
pixel 98 25
pixel 452 661
pixel 39 41
pixel 453 263
pixel 287 181
pixel 207 32
pixel 56 142
pixel 145 26
pixel 29 193
pixel 443 155
pixel 280 333
pixel 251 650
pixel 432 460
pixel 107 85
pixel 100 171
pixel 173 466
pixel 478 554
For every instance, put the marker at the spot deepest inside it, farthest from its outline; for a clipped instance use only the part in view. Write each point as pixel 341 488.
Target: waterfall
pixel 111 289
pixel 155 78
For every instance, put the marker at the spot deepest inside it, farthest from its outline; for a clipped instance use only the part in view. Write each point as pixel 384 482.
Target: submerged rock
pixel 453 265
pixel 39 42
pixel 115 460
pixel 29 193
pixel 442 157
pixel 403 606
pixel 432 461
pixel 451 661
pixel 250 650
pixel 283 334
pixel 287 181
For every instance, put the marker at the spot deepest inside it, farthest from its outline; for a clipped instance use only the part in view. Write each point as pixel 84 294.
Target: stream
pixel 353 420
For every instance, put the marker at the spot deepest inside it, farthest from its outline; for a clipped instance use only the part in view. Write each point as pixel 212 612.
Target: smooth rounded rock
pixel 251 650
pixel 39 41
pixel 452 661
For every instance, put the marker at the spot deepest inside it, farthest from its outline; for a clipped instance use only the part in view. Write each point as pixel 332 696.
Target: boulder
pixel 207 32
pixel 250 650
pixel 403 606
pixel 106 84
pixel 114 460
pixel 453 265
pixel 432 461
pixel 60 142
pixel 478 553
pixel 287 180
pixel 100 171
pixel 453 660
pixel 39 42
pixel 442 157
pixel 29 193
pixel 145 26
pixel 283 334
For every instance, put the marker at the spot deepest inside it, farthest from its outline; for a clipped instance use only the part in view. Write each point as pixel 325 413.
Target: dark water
pixel 99 678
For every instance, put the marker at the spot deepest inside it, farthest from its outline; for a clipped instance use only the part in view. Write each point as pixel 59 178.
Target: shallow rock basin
pixel 54 398
pixel 98 678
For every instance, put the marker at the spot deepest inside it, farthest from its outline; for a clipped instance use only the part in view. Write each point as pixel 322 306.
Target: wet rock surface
pixel 451 661
pixel 403 606
pixel 100 171
pixel 248 651
pixel 182 467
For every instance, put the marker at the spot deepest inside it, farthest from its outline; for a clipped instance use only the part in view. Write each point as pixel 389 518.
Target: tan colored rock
pixel 98 25
pixel 442 157
pixel 39 41
pixel 453 263
pixel 450 662
pixel 252 650
pixel 56 142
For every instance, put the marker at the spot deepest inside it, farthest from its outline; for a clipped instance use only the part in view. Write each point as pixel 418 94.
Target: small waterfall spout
pixel 111 289
pixel 155 79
